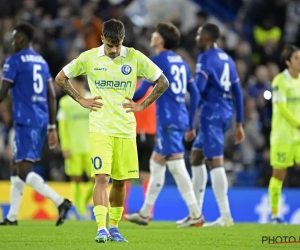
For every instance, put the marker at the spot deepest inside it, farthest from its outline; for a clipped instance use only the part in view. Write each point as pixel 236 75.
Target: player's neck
pixel 159 50
pixel 294 73
pixel 210 46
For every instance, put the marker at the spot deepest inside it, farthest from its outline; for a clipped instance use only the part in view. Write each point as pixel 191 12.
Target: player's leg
pixel 73 170
pixel 29 142
pixel 199 177
pixel 156 182
pixel 173 149
pixel 282 156
pixel 125 167
pixel 101 147
pixel 16 190
pixel 199 170
pixel 88 193
pixel 213 146
pixel 145 154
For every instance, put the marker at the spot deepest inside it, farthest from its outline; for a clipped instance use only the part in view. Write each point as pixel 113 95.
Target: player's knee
pixel 101 181
pixel 119 184
pixel 196 157
pixel 23 169
pixel 76 179
pixel 279 174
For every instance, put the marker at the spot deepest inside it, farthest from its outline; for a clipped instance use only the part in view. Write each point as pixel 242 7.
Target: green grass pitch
pixel 79 235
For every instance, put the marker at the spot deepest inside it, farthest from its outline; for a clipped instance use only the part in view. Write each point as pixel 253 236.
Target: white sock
pixel 39 185
pixel 16 190
pixel 199 179
pixel 220 187
pixel 184 183
pixel 156 182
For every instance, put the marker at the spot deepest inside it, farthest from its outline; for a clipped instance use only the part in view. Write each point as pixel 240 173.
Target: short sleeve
pixel 77 67
pixel 146 68
pixel 201 66
pixel 278 89
pixel 10 69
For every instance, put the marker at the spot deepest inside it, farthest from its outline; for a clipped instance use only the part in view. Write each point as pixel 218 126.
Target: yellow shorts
pixel 78 164
pixel 284 156
pixel 114 156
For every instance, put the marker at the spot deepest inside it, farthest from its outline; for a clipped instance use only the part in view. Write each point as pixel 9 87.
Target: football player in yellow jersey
pixel 73 122
pixel 112 72
pixel 285 133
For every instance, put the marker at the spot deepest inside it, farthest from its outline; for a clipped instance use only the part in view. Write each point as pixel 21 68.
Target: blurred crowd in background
pixel 253 33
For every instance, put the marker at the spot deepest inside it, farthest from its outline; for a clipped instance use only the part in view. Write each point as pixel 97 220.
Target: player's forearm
pixel 5 85
pixel 52 105
pixel 193 104
pixel 238 101
pixel 287 114
pixel 161 85
pixel 63 82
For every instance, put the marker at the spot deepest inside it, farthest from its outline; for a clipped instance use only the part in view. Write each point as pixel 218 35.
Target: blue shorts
pixel 169 140
pixel 210 137
pixel 29 142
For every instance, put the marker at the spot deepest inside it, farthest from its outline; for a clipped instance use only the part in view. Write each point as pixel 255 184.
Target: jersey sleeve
pixel 190 78
pixel 202 66
pixel 10 69
pixel 202 73
pixel 146 68
pixel 279 99
pixel 77 67
pixel 278 90
pixel 234 77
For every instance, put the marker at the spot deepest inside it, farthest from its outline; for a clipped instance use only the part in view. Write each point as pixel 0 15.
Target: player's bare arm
pixel 5 85
pixel 161 85
pixel 90 103
pixel 239 133
pixel 52 136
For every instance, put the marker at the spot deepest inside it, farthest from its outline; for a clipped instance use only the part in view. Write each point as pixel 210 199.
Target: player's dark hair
pixel 212 30
pixel 27 29
pixel 170 33
pixel 288 52
pixel 113 30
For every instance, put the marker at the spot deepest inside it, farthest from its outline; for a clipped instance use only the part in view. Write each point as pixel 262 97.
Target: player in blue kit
pixel 219 87
pixel 27 75
pixel 173 123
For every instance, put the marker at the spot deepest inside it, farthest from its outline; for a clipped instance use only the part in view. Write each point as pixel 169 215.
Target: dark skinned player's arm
pixel 51 103
pixel 5 85
pixel 161 85
pixel 63 82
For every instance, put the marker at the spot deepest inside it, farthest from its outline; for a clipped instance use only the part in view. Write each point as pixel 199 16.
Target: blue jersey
pixel 219 71
pixel 171 107
pixel 29 74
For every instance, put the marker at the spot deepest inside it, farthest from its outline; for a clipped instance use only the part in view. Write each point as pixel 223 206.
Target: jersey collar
pixel 122 52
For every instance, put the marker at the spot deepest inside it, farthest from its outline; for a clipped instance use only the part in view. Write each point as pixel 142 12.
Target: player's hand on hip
pixel 91 103
pixel 190 135
pixel 131 106
pixel 66 154
pixel 52 139
pixel 239 134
